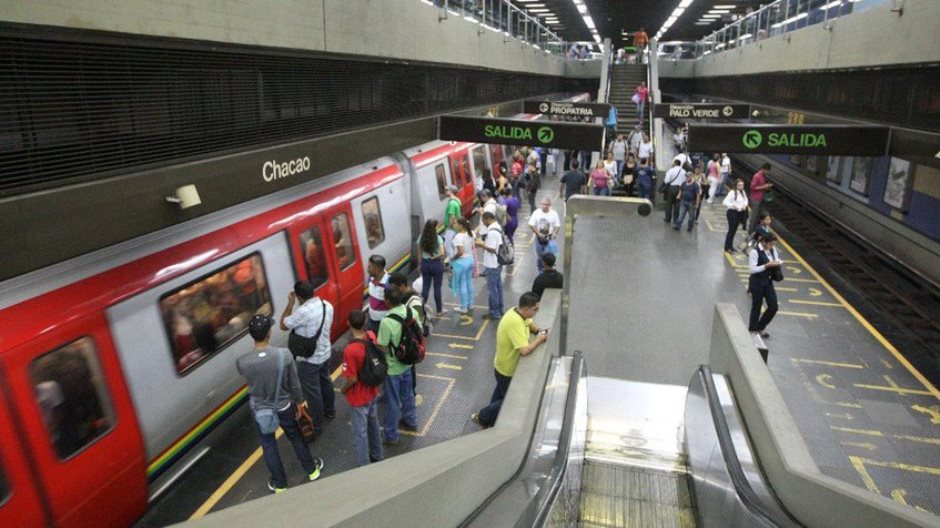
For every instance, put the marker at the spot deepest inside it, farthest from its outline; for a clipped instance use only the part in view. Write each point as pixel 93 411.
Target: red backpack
pixel 410 350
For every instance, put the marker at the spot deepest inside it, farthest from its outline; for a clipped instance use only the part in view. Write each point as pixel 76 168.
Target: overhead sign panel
pixel 514 132
pixel 834 140
pixel 565 109
pixel 702 111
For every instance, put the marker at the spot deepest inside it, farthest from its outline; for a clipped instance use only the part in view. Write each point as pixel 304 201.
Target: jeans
pixel 620 164
pixel 317 387
pixel 643 186
pixel 539 250
pixel 687 208
pixel 272 458
pixel 511 227
pixel 462 283
pixel 601 192
pixel 494 287
pixel 367 440
pixel 489 413
pixel 399 403
pixel 432 270
pixel 760 321
pixel 734 220
pixel 672 202
pixel 757 207
pixel 723 182
pixel 639 110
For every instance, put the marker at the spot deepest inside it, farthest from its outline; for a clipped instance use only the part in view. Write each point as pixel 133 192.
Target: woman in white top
pixel 462 264
pixel 763 265
pixel 725 173
pixel 736 202
pixel 611 167
pixel 645 150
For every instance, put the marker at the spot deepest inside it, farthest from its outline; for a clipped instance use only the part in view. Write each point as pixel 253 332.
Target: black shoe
pixel 406 427
pixel 689 230
pixel 274 488
pixel 373 460
pixel 329 416
pixel 490 317
pixel 675 227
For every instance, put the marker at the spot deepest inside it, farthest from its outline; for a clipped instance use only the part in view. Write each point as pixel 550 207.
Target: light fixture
pixel 186 196
pixel 721 11
pixel 540 10
pixel 711 16
pixel 723 7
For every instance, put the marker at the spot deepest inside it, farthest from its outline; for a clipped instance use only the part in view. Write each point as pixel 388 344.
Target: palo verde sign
pixel 701 111
pixel 548 134
pixel 566 109
pixel 833 140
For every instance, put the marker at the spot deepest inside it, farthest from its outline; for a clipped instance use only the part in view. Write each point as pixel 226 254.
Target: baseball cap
pixel 452 188
pixel 259 325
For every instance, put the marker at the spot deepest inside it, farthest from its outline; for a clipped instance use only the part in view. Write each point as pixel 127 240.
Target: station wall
pixel 399 29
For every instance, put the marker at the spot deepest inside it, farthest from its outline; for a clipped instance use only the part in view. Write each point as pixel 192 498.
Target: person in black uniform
pixel 764 266
pixel 549 278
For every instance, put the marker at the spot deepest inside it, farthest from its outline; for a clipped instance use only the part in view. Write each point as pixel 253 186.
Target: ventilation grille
pixel 79 110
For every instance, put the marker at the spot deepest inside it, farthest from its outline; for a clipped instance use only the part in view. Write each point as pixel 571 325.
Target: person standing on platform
pixel 451 214
pixel 512 342
pixel 491 239
pixel 763 264
pixel 550 278
pixel 736 204
pixel 378 284
pixel 702 182
pixel 611 122
pixel 462 264
pixel 532 186
pixel 512 205
pixel 490 204
pixel 713 170
pixel 432 264
pixel 399 383
pixel 572 182
pixel 310 345
pixel 672 182
pixel 689 193
pixel 273 385
pixel 726 183
pixel 545 224
pixel 364 419
pixel 644 179
pixel 759 186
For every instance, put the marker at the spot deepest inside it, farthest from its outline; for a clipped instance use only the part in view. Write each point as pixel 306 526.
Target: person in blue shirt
pixel 643 176
pixel 690 193
pixel 612 122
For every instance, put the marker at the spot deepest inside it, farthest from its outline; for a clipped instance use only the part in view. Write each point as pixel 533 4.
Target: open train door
pixel 345 261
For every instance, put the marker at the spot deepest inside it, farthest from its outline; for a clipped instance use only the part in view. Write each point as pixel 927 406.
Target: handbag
pixel 267 418
pixel 769 196
pixel 305 423
pixel 305 347
pixel 635 98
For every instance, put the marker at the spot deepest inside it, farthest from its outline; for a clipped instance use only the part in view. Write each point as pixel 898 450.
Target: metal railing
pixel 774 19
pixel 501 16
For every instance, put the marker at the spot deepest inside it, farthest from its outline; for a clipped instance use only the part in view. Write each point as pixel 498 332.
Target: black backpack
pixel 374 365
pixel 410 350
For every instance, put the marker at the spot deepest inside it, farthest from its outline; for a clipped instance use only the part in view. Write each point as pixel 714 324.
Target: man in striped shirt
pixel 378 282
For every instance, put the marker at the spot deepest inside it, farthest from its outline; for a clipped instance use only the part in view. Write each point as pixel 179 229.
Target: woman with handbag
pixel 736 203
pixel 763 264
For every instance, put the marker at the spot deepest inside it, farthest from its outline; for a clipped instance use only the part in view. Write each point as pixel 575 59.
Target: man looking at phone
pixel 512 342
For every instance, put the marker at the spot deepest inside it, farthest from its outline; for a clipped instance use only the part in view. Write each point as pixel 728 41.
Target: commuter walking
pixel 378 284
pixel 689 193
pixel 612 170
pixel 611 122
pixel 545 224
pixel 759 188
pixel 512 342
pixel 489 182
pixel 726 183
pixel 502 181
pixel 512 205
pixel 670 187
pixel 636 137
pixel 640 40
pixel 628 176
pixel 640 94
pixel 309 342
pixel 736 204
pixel 619 150
pixel 645 149
pixel 644 179
pixel 399 382
pixel 550 278
pixel 364 419
pixel 451 214
pixel 702 181
pixel 462 281
pixel 573 182
pixel 275 399
pixel 600 181
pixel 532 187
pixel 763 264
pixel 714 177
pixel 491 240
pixel 432 264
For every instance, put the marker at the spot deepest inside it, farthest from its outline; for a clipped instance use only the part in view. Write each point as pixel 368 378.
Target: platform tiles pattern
pixel 867 415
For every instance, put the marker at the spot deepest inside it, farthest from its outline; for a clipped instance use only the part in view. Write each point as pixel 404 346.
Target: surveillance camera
pixel 186 196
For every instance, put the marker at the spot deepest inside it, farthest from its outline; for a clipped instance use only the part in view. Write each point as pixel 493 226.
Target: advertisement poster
pixel 832 170
pixel 897 190
pixel 861 173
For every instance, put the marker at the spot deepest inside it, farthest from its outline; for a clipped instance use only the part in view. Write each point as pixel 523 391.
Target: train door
pixel 478 157
pixel 345 265
pixel 314 262
pixel 496 157
pixel 84 441
pixel 460 172
pixel 20 503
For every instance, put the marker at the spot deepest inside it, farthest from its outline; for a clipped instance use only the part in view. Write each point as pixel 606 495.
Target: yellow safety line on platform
pixel 858 317
pixel 799 314
pixel 827 363
pixel 437 408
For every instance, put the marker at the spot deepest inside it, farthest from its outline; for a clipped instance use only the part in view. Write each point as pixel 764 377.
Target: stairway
pixel 624 78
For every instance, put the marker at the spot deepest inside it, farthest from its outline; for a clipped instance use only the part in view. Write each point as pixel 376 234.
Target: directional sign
pixel 562 108
pixel 702 111
pixel 515 132
pixel 834 140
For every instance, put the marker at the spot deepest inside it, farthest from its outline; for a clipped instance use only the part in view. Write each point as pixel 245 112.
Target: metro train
pixel 115 366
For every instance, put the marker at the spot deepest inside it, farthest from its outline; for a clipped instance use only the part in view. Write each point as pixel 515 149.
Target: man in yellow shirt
pixel 512 342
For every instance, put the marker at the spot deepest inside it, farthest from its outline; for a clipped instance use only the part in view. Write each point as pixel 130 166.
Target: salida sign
pixel 514 132
pixel 565 109
pixel 833 140
pixel 702 111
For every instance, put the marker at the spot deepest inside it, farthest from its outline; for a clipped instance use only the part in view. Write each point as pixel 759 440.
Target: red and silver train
pixel 114 366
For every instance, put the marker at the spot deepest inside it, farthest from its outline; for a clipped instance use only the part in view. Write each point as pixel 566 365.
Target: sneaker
pixel 461 310
pixel 442 313
pixel 274 488
pixel 491 317
pixel 475 418
pixel 318 464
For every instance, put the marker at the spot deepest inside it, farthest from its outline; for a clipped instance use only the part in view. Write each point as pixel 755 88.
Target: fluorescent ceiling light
pixel 589 22
pixel 719 10
pixel 540 10
pixel 685 3
pixel 551 22
pixel 724 7
pixel 791 19
pixel 711 16
pixel 536 5
pixel 582 9
pixel 744 36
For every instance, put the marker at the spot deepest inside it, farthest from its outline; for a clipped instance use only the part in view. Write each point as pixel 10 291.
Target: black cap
pixel 259 326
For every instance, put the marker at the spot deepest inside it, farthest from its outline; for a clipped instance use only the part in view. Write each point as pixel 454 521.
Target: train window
pixel 311 243
pixel 71 394
pixel 345 253
pixel 455 172
pixel 479 163
pixel 441 175
pixel 203 317
pixel 375 231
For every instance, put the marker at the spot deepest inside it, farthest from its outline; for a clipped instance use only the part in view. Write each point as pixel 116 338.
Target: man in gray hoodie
pixel 273 384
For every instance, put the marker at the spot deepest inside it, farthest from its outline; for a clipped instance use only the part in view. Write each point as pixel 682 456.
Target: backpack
pixel 426 325
pixel 374 365
pixel 502 215
pixel 410 350
pixel 506 252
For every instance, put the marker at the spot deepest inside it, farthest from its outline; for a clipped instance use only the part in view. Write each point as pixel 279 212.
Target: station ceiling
pixel 613 17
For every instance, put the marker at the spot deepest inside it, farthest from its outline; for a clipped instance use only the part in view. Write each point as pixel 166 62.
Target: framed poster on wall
pixel 861 174
pixel 898 187
pixel 833 175
pixel 812 165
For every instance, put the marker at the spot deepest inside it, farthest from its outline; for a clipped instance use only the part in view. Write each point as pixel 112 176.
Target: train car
pixel 116 365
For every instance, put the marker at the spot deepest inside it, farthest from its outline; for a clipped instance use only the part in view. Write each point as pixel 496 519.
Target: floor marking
pixel 336 373
pixel 437 407
pixel 472 306
pixel 794 270
pixel 859 464
pixel 466 320
pixel 815 292
pixel 451 356
pixel 870 432
pixel 900 496
pixel 864 445
pixel 460 346
pixel 798 314
pixel 517 263
pixel 732 262
pixel 847 404
pixel 790 279
pixel 933 412
pixel 442 365
pixel 475 338
pixel 858 317
pixel 844 416
pixel 827 363
pixel 826 381
pixel 815 303
pixel 231 481
pixel 892 386
pixel 785 289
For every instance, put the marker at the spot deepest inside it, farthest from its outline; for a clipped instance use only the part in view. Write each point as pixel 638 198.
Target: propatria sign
pixel 702 111
pixel 833 140
pixel 273 170
pixel 557 108
pixel 514 132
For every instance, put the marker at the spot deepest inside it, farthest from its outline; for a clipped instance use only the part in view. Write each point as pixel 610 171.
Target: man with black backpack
pixel 364 369
pixel 492 239
pixel 309 342
pixel 401 340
